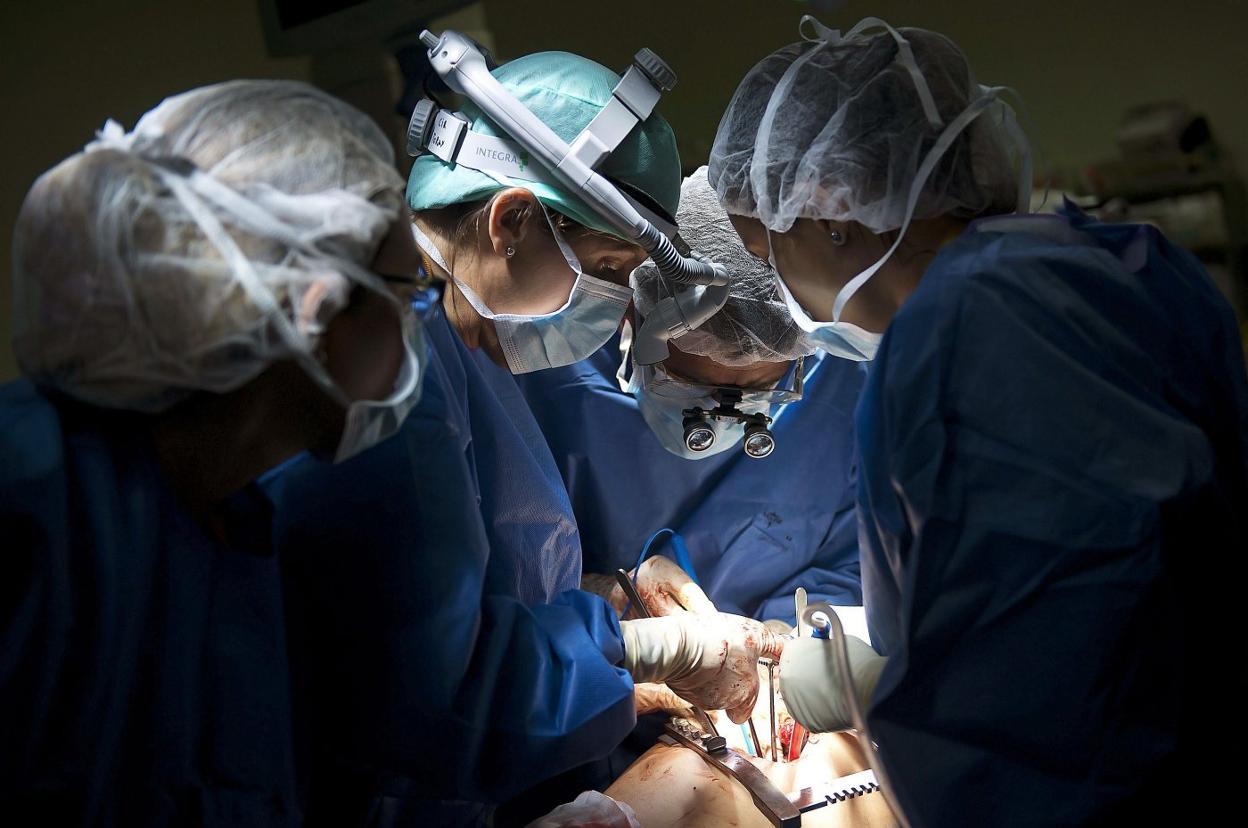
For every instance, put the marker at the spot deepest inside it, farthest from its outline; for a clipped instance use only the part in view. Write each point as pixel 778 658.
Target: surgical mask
pixel 368 422
pixel 533 342
pixel 663 401
pixel 667 420
pixel 836 338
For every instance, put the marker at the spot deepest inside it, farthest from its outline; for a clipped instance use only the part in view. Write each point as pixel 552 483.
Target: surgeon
pixel 195 301
pixel 449 659
pixel 756 528
pixel 1053 438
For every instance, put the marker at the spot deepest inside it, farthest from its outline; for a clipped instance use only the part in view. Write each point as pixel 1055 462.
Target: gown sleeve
pixel 406 660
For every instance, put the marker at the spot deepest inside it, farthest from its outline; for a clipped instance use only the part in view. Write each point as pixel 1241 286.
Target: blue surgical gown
pixel 143 666
pixel 1053 493
pixel 438 632
pixel 756 529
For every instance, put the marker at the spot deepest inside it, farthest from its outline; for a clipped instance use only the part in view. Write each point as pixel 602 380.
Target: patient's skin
pixel 674 787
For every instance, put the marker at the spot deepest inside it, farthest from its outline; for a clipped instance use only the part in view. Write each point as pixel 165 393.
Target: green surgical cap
pixel 566 91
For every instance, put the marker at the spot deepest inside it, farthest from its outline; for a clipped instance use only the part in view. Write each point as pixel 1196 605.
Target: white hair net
pixel 216 238
pixel 753 325
pixel 837 127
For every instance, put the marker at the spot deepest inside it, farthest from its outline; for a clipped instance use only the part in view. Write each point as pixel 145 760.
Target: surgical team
pixel 317 481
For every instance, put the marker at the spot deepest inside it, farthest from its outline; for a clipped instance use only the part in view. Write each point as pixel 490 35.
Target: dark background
pixel 67 66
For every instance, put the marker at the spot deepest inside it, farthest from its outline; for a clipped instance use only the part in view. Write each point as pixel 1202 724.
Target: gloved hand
pixel 659 698
pixel 708 659
pixel 665 588
pixel 590 808
pixel 815 689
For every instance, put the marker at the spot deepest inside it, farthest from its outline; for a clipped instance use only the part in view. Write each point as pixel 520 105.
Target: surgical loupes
pixel 758 441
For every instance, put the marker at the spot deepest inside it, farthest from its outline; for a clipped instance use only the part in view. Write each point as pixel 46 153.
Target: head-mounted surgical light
pixel 446 134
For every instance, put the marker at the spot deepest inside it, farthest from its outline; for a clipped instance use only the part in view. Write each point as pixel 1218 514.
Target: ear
pixel 513 213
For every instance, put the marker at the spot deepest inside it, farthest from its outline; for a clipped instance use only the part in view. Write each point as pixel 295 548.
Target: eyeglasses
pixel 662 383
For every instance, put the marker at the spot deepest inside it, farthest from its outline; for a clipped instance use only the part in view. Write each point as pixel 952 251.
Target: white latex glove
pixel 778 627
pixel 590 809
pixel 664 588
pixel 709 660
pixel 814 687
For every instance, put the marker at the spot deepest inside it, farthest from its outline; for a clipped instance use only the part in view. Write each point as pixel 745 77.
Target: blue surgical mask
pixel 838 338
pixel 533 342
pixel 368 422
pixel 666 419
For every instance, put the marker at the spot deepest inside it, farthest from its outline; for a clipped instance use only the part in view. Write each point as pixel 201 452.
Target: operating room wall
pixel 66 66
pixel 1077 63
